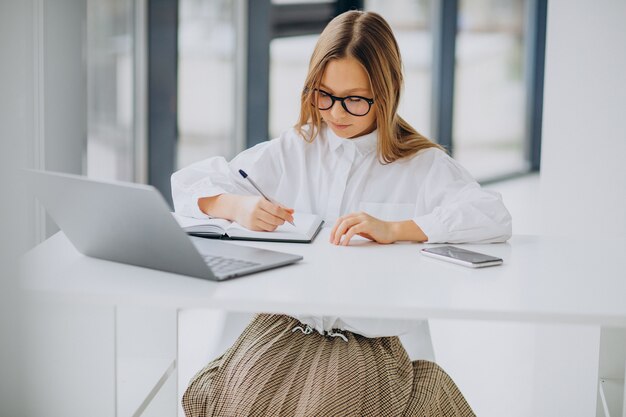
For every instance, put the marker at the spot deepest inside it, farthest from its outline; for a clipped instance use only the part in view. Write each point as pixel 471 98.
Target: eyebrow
pixel 347 92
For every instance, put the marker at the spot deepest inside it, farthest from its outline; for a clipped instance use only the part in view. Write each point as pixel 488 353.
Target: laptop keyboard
pixel 221 265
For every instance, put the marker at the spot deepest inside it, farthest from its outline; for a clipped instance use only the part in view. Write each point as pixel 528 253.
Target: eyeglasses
pixel 355 105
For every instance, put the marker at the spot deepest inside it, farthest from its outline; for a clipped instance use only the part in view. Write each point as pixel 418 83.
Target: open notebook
pixel 307 227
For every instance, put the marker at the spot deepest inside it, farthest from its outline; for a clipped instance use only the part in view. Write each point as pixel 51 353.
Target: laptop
pixel 132 224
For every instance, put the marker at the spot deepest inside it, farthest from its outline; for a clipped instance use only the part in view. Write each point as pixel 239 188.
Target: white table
pixel 543 279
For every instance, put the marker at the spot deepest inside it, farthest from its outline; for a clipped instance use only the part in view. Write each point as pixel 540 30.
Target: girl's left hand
pixel 361 224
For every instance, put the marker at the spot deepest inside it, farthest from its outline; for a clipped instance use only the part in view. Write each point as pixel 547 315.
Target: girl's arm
pixel 451 207
pixel 456 209
pixel 254 213
pixel 370 227
pixel 214 188
pixel 407 230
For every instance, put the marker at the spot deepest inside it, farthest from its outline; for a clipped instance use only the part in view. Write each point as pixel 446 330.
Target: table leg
pixel 145 361
pixel 611 372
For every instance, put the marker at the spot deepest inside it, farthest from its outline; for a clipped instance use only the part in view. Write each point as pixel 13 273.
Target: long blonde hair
pixel 367 37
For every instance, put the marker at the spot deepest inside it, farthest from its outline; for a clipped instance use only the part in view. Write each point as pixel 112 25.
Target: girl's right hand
pixel 256 213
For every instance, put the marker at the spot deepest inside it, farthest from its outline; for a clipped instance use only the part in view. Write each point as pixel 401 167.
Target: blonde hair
pixel 366 37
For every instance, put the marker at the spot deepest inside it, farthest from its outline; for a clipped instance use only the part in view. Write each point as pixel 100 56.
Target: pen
pixel 256 187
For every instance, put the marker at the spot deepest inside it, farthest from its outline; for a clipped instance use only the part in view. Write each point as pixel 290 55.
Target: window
pixel 238 85
pixel 410 21
pixel 206 80
pixel 490 92
pixel 289 62
pixel 110 89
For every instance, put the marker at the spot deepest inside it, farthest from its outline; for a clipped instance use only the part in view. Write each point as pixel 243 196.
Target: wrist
pixel 396 231
pixel 233 207
pixel 407 230
pixel 230 206
pixel 223 206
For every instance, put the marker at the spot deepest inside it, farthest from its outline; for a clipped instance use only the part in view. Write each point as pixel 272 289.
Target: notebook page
pixel 191 224
pixel 306 225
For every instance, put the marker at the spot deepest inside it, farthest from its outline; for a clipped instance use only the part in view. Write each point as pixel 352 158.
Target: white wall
pixel 583 174
pixel 583 164
pixel 15 113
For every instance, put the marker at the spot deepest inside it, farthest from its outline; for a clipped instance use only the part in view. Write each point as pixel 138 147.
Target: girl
pixel 354 160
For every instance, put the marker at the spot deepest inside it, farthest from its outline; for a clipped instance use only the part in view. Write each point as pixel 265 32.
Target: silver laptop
pixel 132 224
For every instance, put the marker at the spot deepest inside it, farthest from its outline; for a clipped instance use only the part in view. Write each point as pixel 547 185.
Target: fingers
pixel 342 226
pixel 269 218
pixel 283 213
pixel 334 231
pixel 361 224
pixel 356 229
pixel 262 226
pixel 256 213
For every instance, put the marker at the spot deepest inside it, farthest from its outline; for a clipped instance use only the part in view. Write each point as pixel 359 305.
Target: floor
pixel 480 356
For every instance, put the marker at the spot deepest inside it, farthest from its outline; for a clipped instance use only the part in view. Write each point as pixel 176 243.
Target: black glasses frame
pixel 369 101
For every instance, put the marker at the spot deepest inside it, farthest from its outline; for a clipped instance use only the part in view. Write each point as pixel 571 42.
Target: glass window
pixel 206 80
pixel 300 1
pixel 110 89
pixel 489 98
pixel 410 21
pixel 289 62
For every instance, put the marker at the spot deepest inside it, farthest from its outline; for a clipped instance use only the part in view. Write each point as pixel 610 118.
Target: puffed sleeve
pixel 214 176
pixel 456 209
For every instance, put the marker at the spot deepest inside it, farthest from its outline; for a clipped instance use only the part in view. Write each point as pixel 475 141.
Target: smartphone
pixel 461 256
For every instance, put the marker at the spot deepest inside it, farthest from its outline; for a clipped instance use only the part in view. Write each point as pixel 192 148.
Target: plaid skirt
pixel 272 370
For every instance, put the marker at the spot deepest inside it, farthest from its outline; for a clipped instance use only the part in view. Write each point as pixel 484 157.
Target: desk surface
pixel 542 279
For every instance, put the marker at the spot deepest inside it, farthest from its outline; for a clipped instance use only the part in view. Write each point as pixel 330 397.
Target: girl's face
pixel 346 77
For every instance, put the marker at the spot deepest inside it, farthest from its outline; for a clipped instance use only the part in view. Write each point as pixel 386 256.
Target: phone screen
pixel 462 254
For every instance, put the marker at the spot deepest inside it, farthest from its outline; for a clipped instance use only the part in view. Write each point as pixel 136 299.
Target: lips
pixel 339 126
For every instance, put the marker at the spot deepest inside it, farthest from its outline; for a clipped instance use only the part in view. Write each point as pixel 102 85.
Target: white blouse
pixel 333 176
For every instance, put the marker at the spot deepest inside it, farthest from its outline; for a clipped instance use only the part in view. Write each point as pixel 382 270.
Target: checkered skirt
pixel 273 371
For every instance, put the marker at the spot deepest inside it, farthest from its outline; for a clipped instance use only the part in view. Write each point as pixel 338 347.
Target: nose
pixel 337 111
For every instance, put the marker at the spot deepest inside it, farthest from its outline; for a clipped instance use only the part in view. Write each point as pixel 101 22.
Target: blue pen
pixel 256 187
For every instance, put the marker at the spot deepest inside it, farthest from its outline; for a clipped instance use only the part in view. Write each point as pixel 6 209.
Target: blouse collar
pixel 364 144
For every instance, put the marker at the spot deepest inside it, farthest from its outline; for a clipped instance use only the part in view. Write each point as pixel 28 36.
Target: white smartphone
pixel 461 256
